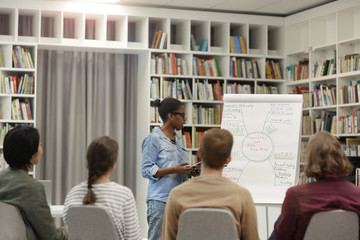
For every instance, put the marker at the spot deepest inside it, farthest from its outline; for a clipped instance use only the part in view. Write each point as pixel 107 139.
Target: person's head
pixel 22 148
pixel 215 148
pixel 101 157
pixel 325 157
pixel 171 110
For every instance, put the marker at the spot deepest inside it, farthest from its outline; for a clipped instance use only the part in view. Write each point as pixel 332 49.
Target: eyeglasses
pixel 179 113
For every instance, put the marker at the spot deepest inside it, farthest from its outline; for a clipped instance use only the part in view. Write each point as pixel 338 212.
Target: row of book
pixel 325 121
pixel 179 89
pixel 266 89
pixel 206 67
pixel 237 88
pixel 305 179
pixel 1 58
pixel 350 123
pixel 206 90
pixel 298 71
pixel 154 114
pixel 16 85
pixel 304 90
pixel 21 110
pixel 323 95
pixel 243 68
pixel 273 70
pixel 349 63
pixel 168 64
pixel 237 44
pixel 158 40
pixel 324 68
pixel 203 44
pixel 350 93
pixel 22 58
pixel 206 115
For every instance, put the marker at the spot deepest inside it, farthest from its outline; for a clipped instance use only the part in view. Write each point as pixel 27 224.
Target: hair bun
pixel 157 103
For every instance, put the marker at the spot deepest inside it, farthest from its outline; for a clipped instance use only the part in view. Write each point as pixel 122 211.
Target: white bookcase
pixel 320 34
pixel 217 34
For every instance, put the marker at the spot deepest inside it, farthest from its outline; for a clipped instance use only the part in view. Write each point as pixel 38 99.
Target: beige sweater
pixel 214 192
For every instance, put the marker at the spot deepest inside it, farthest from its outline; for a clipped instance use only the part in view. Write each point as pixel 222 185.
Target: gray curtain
pixel 80 96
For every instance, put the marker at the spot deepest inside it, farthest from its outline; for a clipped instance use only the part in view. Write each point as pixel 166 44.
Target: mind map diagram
pixel 262 152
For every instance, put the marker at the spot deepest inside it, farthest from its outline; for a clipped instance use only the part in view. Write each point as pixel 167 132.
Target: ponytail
pixel 90 197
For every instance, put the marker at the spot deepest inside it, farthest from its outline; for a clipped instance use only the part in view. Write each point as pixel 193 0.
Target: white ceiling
pixel 267 7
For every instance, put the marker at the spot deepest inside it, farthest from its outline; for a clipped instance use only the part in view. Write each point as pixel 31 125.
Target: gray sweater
pixel 28 195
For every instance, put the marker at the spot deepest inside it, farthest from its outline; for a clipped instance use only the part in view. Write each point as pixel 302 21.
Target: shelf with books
pixel 179 34
pixel 323 61
pixel 208 89
pixel 28 25
pixel 165 63
pixel 297 67
pixel 206 113
pixel 158 33
pixel 199 35
pixel 212 66
pixel 247 68
pixel 274 69
pixel 239 38
pixel 266 88
pixel 240 87
pixel 324 95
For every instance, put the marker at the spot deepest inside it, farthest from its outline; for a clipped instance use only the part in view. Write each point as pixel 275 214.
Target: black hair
pixel 166 106
pixel 20 144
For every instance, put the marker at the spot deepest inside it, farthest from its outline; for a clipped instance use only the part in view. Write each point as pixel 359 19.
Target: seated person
pixel 326 162
pixel 22 150
pixel 210 188
pixel 118 200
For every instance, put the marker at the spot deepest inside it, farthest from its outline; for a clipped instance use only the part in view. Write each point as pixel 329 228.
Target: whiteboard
pixel 265 155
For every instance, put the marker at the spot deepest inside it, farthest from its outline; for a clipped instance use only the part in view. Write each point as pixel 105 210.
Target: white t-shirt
pixel 118 200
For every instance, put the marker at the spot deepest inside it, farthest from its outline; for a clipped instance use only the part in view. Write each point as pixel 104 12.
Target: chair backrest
pixel 48 190
pixel 12 225
pixel 206 223
pixel 91 223
pixel 331 225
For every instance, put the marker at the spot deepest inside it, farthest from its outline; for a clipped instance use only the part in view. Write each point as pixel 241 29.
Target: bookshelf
pixel 325 41
pixel 213 70
pixel 17 89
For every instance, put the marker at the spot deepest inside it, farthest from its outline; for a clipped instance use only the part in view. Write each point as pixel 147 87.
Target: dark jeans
pixel 272 237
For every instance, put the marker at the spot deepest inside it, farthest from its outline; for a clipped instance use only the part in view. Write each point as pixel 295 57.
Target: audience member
pixel 211 190
pixel 118 200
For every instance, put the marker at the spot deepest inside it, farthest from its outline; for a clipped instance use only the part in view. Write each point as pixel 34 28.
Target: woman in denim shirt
pixel 164 162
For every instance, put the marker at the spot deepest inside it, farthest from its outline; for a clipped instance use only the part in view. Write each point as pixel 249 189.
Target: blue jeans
pixel 155 216
pixel 272 237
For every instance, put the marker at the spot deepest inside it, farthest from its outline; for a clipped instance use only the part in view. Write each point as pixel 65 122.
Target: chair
pixel 12 225
pixel 91 223
pixel 331 225
pixel 206 223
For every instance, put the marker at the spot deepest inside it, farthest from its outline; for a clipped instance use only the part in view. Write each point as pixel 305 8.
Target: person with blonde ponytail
pixel 118 200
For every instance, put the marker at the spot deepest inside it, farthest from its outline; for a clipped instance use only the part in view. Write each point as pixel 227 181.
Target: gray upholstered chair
pixel 206 223
pixel 89 222
pixel 333 225
pixel 12 225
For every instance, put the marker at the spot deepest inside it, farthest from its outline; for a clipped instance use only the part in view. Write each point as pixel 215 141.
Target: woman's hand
pixel 182 168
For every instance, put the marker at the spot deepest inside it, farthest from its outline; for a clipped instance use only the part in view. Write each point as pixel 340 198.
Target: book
pixel 158 39
pixel 154 39
pixel 1 59
pixel 194 46
pixel 162 41
pixel 204 45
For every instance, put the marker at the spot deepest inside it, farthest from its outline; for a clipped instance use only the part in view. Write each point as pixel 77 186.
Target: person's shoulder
pixel 154 136
pixel 185 186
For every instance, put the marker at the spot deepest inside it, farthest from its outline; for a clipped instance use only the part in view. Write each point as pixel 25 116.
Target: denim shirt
pixel 159 152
